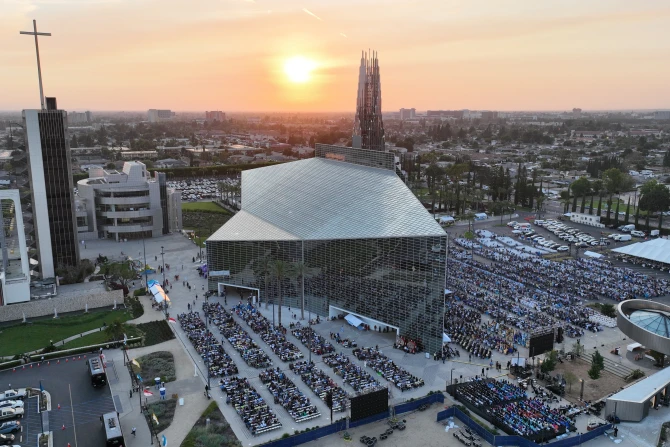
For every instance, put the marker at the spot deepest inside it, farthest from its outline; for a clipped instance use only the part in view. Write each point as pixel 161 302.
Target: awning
pixel 633 346
pixel 445 338
pixel 592 254
pixel 159 294
pixel 352 320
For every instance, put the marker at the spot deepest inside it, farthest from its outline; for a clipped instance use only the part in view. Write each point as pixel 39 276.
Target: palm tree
pixel 279 270
pixel 266 268
pixel 115 331
pixel 300 270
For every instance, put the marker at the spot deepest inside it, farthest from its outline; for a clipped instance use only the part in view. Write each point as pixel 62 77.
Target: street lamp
pixel 581 391
pixel 208 341
pixel 165 303
pixel 451 381
pixel 146 274
pixel 309 333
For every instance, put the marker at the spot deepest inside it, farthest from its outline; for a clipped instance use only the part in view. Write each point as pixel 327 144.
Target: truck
pixel 622 237
pixel 654 233
pixel 13 394
pixel 627 228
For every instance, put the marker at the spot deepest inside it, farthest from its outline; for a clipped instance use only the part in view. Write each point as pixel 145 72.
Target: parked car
pixel 10 427
pixel 10 413
pixel 563 248
pixel 512 223
pixel 13 394
pixel 6 439
pixel 11 404
pixel 637 233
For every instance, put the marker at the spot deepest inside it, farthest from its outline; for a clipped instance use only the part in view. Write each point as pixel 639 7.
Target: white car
pixel 512 223
pixel 637 233
pixel 19 393
pixel 11 404
pixel 563 248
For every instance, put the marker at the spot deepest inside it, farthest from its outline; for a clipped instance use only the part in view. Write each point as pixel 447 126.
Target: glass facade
pixel 396 281
pixel 59 187
pixel 654 321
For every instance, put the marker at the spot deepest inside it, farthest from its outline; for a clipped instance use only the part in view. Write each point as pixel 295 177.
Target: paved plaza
pixel 179 251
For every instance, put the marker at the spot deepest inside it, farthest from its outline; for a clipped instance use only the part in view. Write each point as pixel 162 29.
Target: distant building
pixel 488 115
pixel 157 115
pixel 458 114
pixel 126 205
pixel 139 155
pixel 79 117
pixel 215 116
pixel 576 113
pixel 51 188
pixel 662 115
pixel 407 114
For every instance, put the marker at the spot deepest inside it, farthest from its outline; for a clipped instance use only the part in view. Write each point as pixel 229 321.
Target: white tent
pixel 445 338
pixel 633 346
pixel 592 254
pixel 159 294
pixel 446 219
pixel 353 320
pixel 655 250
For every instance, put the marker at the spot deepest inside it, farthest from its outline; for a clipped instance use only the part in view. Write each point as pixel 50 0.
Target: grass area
pixel 204 223
pixel 155 332
pixel 38 334
pixel 209 207
pixel 218 433
pixel 164 411
pixel 157 364
pixel 99 337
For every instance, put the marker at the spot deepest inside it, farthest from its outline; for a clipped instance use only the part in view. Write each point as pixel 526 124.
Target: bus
pixel 97 369
pixel 113 433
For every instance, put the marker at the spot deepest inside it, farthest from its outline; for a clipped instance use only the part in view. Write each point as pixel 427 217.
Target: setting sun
pixel 298 69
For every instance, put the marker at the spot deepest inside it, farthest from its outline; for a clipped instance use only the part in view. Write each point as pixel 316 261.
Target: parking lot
pixel 69 385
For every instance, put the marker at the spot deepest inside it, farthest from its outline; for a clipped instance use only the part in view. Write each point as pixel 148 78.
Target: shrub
pixel 156 332
pixel 158 364
pixel 636 374
pixel 285 435
pixel 164 411
pixel 140 292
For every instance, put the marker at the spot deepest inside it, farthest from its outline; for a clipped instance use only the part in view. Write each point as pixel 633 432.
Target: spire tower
pixel 368 124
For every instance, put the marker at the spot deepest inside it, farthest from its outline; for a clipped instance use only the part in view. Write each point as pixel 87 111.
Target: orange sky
pixel 229 54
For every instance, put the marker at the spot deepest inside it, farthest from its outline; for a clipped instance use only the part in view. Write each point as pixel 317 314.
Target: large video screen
pixel 369 404
pixel 540 344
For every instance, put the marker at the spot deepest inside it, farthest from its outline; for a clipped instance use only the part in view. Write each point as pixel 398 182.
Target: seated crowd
pixel 288 395
pixel 274 336
pixel 204 342
pixel 352 374
pixel 256 414
pixel 313 341
pixel 388 369
pixel 238 337
pixel 321 384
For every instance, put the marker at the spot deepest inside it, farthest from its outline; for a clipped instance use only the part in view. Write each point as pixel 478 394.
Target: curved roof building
pixel 646 322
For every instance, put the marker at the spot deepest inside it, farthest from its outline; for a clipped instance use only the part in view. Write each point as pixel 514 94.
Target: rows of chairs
pixel 288 395
pixel 238 337
pixel 531 418
pixel 273 336
pixel 252 408
pixel 204 342
pixel 472 346
pixel 314 342
pixel 353 375
pixel 388 369
pixel 321 384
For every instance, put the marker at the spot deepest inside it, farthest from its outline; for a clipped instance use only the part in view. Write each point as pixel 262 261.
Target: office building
pixel 15 274
pixel 458 114
pixel 52 189
pixel 79 117
pixel 407 114
pixel 662 115
pixel 156 115
pixel 372 249
pixel 215 116
pixel 488 115
pixel 577 112
pixel 368 125
pixel 126 205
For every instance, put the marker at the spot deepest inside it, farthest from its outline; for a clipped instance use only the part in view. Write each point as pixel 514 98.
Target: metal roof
pixel 644 389
pixel 654 250
pixel 321 199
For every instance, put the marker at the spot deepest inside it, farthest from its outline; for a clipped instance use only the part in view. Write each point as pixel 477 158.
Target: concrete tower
pixel 368 125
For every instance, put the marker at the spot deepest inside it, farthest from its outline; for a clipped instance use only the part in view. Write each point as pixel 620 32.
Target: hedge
pixel 82 350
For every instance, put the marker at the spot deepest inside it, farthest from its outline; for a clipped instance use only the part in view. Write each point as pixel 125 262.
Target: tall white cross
pixel 37 51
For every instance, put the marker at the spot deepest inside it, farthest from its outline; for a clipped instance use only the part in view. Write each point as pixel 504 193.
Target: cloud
pixel 344 35
pixel 312 14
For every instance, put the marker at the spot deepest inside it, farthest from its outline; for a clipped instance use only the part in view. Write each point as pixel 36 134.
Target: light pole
pixel 309 334
pixel 208 341
pixel 165 304
pixel 146 274
pixel 451 380
pixel 581 391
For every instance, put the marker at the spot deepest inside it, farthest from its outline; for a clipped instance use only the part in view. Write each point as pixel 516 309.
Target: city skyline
pixel 255 56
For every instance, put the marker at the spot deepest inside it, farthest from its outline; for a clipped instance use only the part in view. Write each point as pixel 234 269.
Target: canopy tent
pixel 445 338
pixel 481 216
pixel 655 250
pixel 447 219
pixel 633 346
pixel 354 321
pixel 159 294
pixel 518 361
pixel 592 254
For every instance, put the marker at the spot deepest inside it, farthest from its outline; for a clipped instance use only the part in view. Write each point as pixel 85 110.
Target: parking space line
pixel 74 427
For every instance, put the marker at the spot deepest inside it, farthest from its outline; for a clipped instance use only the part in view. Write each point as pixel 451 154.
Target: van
pixel 628 228
pixel 10 413
pixel 622 237
pixel 654 233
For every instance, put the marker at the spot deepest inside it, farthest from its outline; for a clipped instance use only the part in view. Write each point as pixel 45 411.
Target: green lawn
pixel 209 207
pixel 30 337
pixel 98 338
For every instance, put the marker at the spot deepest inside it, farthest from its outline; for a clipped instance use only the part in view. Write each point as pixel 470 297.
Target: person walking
pixel 134 431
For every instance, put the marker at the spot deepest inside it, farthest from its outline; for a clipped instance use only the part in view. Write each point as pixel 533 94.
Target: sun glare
pixel 298 69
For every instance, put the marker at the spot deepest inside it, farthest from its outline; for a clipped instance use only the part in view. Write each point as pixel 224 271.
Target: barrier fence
pixel 502 440
pixel 341 425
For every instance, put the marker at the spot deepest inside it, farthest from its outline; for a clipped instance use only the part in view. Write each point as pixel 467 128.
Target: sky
pixel 230 55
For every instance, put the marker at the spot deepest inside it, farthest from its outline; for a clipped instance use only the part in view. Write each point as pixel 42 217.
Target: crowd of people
pixel 313 341
pixel 288 395
pixel 321 384
pixel 252 354
pixel 275 337
pixel 375 359
pixel 507 405
pixel 256 414
pixel 204 342
pixel 353 375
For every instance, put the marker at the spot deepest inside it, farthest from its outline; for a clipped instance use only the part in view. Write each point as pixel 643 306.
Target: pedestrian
pixel 194 304
pixel 134 431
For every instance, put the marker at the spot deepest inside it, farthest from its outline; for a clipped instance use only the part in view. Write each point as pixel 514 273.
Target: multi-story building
pixel 15 273
pixel 215 116
pixel 488 115
pixel 458 114
pixel 662 115
pixel 126 205
pixel 577 112
pixel 156 115
pixel 79 117
pixel 407 114
pixel 51 188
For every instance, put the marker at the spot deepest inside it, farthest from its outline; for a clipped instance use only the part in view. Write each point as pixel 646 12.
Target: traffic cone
pixel 38 365
pixel 74 358
pixel 31 365
pixel 63 427
pixel 48 363
pixel 84 356
pixel 24 367
pixel 59 406
pixel 79 358
pixel 58 362
pixel 66 360
pixel 13 370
